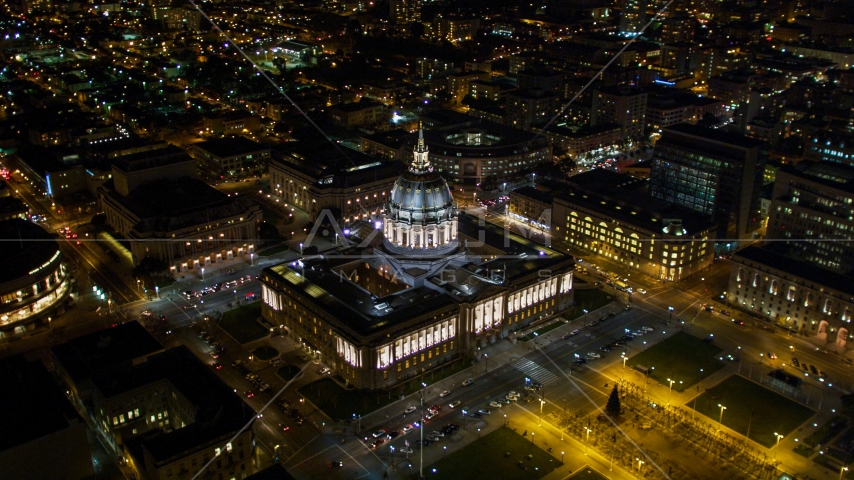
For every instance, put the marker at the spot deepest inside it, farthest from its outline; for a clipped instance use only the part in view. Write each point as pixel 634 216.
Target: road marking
pixel 368 472
pixel 535 371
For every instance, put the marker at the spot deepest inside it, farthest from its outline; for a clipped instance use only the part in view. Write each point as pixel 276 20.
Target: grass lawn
pixel 340 403
pixel 486 458
pixel 588 299
pixel 742 398
pixel 282 247
pixel 287 372
pixel 681 357
pixel 241 323
pixel 587 473
pixel 265 353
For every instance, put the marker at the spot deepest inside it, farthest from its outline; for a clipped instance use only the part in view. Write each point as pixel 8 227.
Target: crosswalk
pixel 534 371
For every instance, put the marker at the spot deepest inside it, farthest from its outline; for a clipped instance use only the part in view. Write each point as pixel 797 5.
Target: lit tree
pixel 613 405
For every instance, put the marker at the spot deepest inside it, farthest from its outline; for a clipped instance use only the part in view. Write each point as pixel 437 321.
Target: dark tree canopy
pixel 613 406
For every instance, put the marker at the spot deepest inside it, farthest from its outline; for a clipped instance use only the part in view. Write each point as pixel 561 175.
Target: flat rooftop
pixel 220 412
pixel 189 201
pixel 699 137
pixel 230 147
pixel 106 350
pixel 624 198
pixel 26 246
pixel 151 159
pixel 338 167
pixel 35 405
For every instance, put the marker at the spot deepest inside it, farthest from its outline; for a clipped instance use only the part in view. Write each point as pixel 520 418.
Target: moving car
pixel 409 410
pixel 379 433
pixel 445 393
pixel 455 404
pixel 336 464
pixel 468 382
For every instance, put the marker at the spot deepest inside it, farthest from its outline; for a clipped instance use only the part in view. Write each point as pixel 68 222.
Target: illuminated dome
pixel 420 217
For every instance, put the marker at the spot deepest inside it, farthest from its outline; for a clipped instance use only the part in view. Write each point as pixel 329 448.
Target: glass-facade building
pixel 711 172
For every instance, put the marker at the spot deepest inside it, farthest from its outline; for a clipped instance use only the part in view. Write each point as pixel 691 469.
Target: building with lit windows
pixel 623 106
pixel 527 109
pixel 814 202
pixel 164 412
pixel 610 214
pixel 353 186
pixel 230 123
pixel 424 287
pixel 581 140
pixel 405 11
pixel 34 284
pixel 828 146
pixel 794 294
pixel 154 200
pixel 231 157
pixel 633 17
pixel 711 172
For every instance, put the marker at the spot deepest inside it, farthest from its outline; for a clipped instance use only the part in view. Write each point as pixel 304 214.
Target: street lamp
pixel 640 463
pixel 644 345
pixel 587 429
pixel 842 470
pixel 624 359
pixel 721 419
pixel 203 273
pixel 487 362
pixel 670 391
pixel 532 438
pixel 464 419
pixel 561 457
pixel 779 437
pixel 542 402
pixel 300 248
pixel 505 419
pixel 670 309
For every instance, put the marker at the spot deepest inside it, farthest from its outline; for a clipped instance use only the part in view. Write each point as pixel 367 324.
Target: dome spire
pixel 421 162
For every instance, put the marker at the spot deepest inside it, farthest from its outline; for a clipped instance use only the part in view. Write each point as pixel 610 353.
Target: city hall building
pixel 424 286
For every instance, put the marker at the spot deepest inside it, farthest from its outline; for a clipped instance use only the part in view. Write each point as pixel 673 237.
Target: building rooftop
pixel 692 134
pixel 356 106
pixel 151 159
pixel 624 198
pixel 106 350
pixel 26 246
pixel 35 405
pixel 174 203
pixel 230 147
pixel 335 166
pixel 582 131
pixel 835 175
pixel 273 472
pixel 220 412
pixel 544 196
pixel 774 256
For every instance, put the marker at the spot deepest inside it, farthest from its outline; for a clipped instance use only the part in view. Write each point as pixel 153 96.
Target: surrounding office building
pixel 829 146
pixel 417 297
pixel 812 202
pixel 231 157
pixel 633 17
pixel 34 284
pixel 527 109
pixel 610 214
pixel 43 435
pixel 154 200
pixel 621 105
pixel 356 114
pixel 792 293
pixel 405 11
pixel 165 412
pixel 711 172
pixel 353 186
pixel 237 122
pixel 585 140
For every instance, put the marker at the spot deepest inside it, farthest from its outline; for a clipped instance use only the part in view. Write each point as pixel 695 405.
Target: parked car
pixel 494 404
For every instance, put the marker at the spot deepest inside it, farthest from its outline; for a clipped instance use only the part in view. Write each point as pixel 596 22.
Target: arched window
pixel 808 300
pixel 828 306
pixel 755 280
pixel 740 276
pixel 774 287
pixel 790 295
pixel 846 315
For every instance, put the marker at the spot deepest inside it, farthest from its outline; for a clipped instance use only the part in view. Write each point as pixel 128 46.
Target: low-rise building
pixel 165 412
pixel 794 294
pixel 154 200
pixel 231 123
pixel 609 214
pixel 231 157
pixel 356 114
pixel 352 185
pixel 578 141
pixel 43 435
